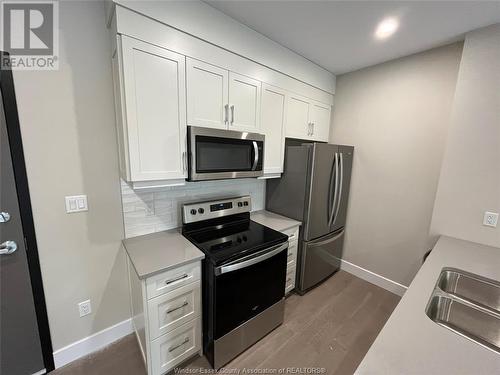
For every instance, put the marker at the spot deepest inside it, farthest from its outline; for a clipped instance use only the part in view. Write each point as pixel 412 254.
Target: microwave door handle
pixel 249 262
pixel 341 162
pixel 255 155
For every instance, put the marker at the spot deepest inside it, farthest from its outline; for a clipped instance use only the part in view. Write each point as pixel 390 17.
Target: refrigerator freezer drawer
pixel 319 259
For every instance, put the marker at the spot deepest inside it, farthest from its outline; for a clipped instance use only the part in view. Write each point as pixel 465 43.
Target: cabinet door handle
pixel 312 128
pixel 232 114
pixel 226 114
pixel 172 348
pixel 308 128
pixel 177 308
pixel 176 279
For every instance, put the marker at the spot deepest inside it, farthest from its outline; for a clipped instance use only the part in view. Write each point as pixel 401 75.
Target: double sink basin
pixel 468 305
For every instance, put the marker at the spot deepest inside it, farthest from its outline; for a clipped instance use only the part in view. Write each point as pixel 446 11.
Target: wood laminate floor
pixel 330 328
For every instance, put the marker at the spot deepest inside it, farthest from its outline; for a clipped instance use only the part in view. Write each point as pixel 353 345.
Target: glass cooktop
pixel 230 241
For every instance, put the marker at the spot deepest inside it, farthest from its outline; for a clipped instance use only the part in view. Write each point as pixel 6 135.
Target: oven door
pixel 248 286
pixel 221 154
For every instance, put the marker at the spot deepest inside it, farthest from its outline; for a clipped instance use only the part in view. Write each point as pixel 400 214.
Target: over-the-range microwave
pixel 215 154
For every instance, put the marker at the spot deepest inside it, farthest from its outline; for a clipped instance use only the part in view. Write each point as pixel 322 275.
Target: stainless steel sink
pixel 471 287
pixel 468 305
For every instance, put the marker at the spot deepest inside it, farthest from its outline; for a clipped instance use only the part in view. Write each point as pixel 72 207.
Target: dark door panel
pixel 319 259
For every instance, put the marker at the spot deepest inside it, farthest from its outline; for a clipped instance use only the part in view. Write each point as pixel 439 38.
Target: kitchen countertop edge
pixel 154 253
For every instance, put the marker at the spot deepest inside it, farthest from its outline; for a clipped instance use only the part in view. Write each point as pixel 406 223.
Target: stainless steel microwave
pixel 216 154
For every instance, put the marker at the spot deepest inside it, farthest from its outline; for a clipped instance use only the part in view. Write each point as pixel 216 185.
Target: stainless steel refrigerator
pixel 314 189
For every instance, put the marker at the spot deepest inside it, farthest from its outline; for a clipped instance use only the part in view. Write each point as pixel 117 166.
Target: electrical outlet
pixel 490 219
pixel 84 308
pixel 76 203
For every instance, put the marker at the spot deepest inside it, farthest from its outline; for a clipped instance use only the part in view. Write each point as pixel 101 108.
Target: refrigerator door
pixel 288 195
pixel 344 167
pixel 319 259
pixel 322 179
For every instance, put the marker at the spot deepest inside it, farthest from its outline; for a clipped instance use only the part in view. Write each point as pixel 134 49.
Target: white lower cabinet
pixel 166 314
pixel 291 267
pixel 175 347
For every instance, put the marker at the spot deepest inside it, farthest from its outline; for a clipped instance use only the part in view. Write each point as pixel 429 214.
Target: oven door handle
pixel 256 155
pixel 249 262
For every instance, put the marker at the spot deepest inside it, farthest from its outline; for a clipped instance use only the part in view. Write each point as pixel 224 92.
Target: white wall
pixel 470 176
pixel 67 124
pixel 396 115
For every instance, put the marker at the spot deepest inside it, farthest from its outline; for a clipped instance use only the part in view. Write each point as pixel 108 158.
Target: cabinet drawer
pixel 172 279
pixel 292 252
pixel 173 309
pixel 292 233
pixel 171 349
pixel 290 280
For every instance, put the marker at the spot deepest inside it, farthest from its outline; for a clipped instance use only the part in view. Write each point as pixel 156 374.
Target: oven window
pixel 242 294
pixel 223 155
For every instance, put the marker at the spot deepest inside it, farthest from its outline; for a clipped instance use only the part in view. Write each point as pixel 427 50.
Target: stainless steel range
pixel 244 275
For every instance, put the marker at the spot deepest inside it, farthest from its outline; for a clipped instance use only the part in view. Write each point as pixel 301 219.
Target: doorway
pixel 25 344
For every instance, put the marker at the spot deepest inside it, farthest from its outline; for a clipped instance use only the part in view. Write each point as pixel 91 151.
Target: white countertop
pixel 273 221
pixel 161 251
pixel 411 343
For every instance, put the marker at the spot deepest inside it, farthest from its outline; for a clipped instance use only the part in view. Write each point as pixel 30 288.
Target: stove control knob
pixel 240 204
pixel 245 203
pixel 201 210
pixel 238 239
pixel 245 238
pixel 193 212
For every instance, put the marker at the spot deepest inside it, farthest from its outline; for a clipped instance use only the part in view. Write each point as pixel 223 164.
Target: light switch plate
pixel 76 203
pixel 490 219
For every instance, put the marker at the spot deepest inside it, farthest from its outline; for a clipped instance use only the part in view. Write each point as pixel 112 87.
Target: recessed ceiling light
pixel 386 28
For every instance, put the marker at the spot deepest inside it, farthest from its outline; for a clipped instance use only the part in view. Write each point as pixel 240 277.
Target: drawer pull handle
pixel 176 279
pixel 290 254
pixel 172 348
pixel 177 308
pixel 291 237
pixel 288 280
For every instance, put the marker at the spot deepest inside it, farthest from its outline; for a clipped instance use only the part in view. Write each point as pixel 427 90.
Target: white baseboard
pixel 372 277
pixel 92 343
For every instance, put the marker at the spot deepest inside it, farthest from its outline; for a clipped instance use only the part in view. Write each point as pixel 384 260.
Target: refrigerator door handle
pixel 341 162
pixel 332 205
pixel 331 190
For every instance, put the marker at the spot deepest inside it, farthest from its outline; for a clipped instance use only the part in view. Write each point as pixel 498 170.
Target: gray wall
pixel 470 176
pixel 67 123
pixel 396 115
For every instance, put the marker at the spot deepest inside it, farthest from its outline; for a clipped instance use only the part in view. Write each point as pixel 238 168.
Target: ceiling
pixel 339 35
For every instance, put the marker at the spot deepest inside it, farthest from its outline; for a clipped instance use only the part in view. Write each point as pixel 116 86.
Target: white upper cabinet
pixel 218 98
pixel 320 121
pixel 307 119
pixel 297 125
pixel 207 95
pixel 244 103
pixel 273 118
pixel 153 124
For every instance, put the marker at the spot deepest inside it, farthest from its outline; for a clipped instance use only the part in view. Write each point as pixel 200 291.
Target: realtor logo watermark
pixel 30 33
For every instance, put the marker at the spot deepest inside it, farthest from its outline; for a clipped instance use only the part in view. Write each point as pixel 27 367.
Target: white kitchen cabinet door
pixel 273 118
pixel 244 103
pixel 207 95
pixel 320 120
pixel 297 124
pixel 154 91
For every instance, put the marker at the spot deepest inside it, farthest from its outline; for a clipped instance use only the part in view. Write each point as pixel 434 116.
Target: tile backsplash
pixel 149 211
